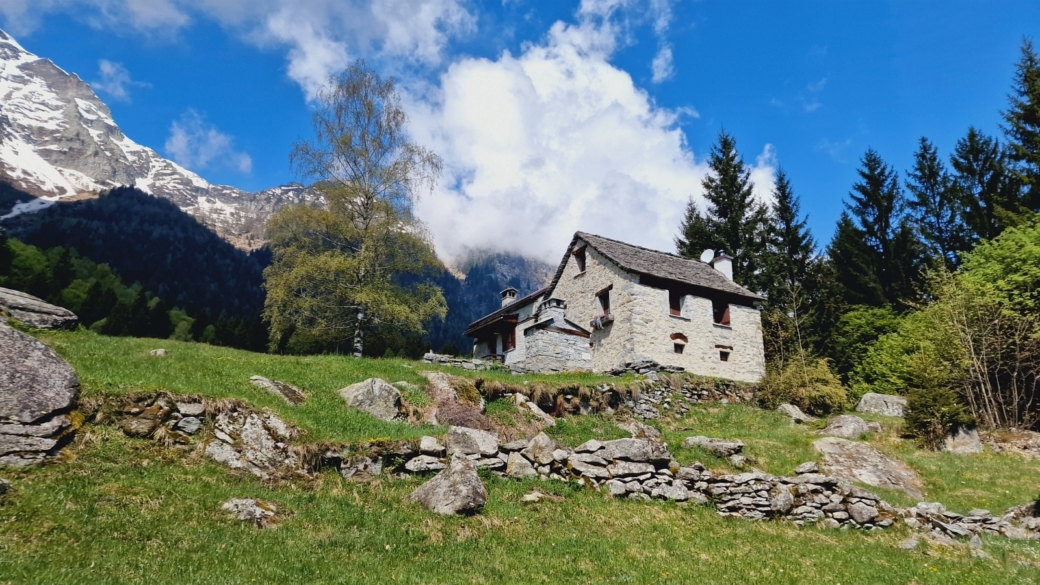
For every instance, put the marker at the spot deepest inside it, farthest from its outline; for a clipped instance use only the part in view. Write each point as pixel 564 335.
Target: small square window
pixel 679 347
pixel 724 356
pixel 720 312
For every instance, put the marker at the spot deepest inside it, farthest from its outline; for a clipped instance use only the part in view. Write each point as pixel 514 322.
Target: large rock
pixel 37 389
pixel 717 447
pixel 35 312
pixel 457 489
pixel 519 467
pixel 374 396
pixel 467 441
pixel 885 404
pixel 963 441
pixel 860 462
pixel 795 413
pixel 639 450
pixel 257 442
pixel 540 449
pixel 848 426
pixel 639 430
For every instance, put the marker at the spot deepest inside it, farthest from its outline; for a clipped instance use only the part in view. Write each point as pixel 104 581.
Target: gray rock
pixel 34 380
pixel 829 523
pixel 979 513
pixel 196 409
pixel 616 488
pixel 807 467
pixel 35 312
pixel 909 544
pixel 374 396
pixel 519 467
pixel 862 513
pixel 590 446
pixel 291 394
pixel 860 462
pixel 457 489
pixel 952 528
pixel 796 415
pixel 717 447
pixel 639 430
pixel 540 449
pixel 48 428
pixel 261 446
pixel 157 353
pixel 1016 533
pixel 975 542
pixel 780 499
pixel 1031 524
pixel 517 445
pixel 675 491
pixel 885 404
pixel 467 441
pixel 424 463
pixel 848 426
pixel 963 441
pixel 928 509
pixel 188 425
pixel 737 460
pixel 589 467
pixel 640 450
pixel 258 512
pixel 361 466
pixel 430 446
pixel 628 468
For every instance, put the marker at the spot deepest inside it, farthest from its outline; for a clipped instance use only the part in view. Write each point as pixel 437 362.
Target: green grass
pixel 128 511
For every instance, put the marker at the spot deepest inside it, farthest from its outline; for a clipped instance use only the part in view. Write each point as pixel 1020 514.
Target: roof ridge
pixel 678 256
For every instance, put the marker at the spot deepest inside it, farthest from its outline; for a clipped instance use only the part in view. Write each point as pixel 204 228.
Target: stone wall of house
pixel 614 344
pixel 551 351
pixel 742 339
pixel 525 316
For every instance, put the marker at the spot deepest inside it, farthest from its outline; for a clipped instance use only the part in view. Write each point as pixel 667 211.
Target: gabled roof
pixel 645 261
pixel 505 311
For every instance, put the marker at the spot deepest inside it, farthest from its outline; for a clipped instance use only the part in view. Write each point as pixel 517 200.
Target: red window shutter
pixel 674 303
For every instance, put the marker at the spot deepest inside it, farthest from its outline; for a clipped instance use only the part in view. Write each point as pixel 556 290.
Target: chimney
pixel 552 310
pixel 509 296
pixel 724 264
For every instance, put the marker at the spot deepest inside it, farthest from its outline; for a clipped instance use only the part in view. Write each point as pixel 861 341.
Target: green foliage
pixel 990 191
pixel 932 412
pixel 1022 120
pixel 734 222
pixel 807 383
pixel 935 206
pixel 855 331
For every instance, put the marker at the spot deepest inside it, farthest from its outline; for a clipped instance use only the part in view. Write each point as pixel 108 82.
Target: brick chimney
pixel 509 296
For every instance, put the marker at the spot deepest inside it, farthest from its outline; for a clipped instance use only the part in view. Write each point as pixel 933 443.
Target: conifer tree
pixel 989 190
pixel 852 262
pixel 935 205
pixel 734 222
pixel 1022 128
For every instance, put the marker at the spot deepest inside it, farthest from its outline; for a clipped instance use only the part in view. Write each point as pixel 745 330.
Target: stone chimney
pixel 724 264
pixel 552 310
pixel 509 296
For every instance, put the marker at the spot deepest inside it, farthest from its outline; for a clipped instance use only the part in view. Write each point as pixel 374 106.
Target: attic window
pixel 675 303
pixel 604 301
pixel 579 257
pixel 720 312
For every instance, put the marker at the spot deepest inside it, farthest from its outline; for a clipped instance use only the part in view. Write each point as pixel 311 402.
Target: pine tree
pixel 1022 120
pixel 989 190
pixel 935 205
pixel 852 261
pixel 734 221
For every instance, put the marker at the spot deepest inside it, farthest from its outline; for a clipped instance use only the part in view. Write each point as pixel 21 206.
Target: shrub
pixel 931 413
pixel 806 383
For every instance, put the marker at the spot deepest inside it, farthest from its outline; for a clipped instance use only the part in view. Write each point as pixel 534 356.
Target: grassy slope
pixel 129 511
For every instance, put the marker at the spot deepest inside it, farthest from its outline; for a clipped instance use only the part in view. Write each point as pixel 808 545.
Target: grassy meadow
pixel 122 510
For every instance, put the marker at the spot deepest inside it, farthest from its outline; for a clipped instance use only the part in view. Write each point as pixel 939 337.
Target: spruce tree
pixel 935 205
pixel 1022 124
pixel 852 262
pixel 989 190
pixel 734 222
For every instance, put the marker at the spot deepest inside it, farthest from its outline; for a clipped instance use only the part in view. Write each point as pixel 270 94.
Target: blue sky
pixel 551 116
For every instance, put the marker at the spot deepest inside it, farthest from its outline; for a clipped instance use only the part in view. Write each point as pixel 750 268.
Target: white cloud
pixel 197 145
pixel 115 80
pixel 554 140
pixel 662 67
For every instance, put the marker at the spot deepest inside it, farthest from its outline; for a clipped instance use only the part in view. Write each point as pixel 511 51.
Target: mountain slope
pixel 58 141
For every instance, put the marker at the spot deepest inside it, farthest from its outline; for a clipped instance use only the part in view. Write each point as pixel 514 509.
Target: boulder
pixel 254 441
pixel 795 413
pixel 374 396
pixel 457 489
pixel 885 404
pixel 467 441
pixel 963 441
pixel 540 449
pixel 258 512
pixel 860 462
pixel 717 447
pixel 848 426
pixel 35 312
pixel 519 467
pixel 37 388
pixel 291 394
pixel 862 513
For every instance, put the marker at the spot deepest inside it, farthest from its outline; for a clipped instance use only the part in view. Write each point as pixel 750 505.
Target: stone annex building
pixel 612 303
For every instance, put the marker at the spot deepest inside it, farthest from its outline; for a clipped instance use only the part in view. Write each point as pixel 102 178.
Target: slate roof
pixel 506 310
pixel 649 262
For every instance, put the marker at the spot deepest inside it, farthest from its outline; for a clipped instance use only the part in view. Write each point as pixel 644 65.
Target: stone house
pixel 612 303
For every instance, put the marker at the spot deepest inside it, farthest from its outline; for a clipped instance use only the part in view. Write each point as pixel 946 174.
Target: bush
pixel 931 413
pixel 808 384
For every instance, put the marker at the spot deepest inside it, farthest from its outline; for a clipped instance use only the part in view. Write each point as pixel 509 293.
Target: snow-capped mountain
pixel 58 141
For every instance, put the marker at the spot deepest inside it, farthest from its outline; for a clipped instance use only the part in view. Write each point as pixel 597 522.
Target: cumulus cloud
pixel 554 140
pixel 197 145
pixel 115 80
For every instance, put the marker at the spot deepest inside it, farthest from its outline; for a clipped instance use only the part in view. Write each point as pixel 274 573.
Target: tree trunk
pixel 359 334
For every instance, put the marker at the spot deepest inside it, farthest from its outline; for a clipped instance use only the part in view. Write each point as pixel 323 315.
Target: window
pixel 604 301
pixel 679 347
pixel 579 257
pixel 675 301
pixel 720 312
pixel 509 340
pixel 723 356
